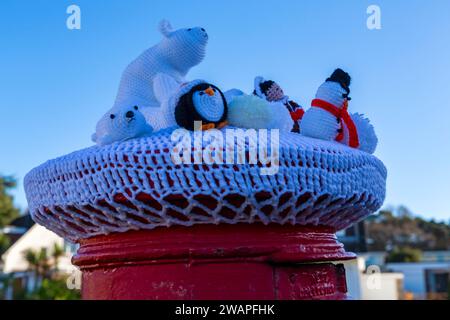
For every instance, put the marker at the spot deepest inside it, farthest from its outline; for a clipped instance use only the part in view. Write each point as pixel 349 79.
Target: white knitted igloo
pixel 136 185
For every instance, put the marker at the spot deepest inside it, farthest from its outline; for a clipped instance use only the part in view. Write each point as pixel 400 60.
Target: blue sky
pixel 55 83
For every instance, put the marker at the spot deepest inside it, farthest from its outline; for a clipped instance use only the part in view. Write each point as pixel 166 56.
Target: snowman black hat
pixel 341 77
pixel 185 110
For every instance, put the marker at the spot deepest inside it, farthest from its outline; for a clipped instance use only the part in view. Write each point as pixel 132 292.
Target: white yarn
pixel 163 116
pixel 320 124
pixel 165 27
pixel 252 112
pixel 257 85
pixel 230 94
pixel 164 86
pixel 318 183
pixel 368 140
pixel 120 124
pixel 331 92
pixel 168 93
pixel 210 108
pixel 179 51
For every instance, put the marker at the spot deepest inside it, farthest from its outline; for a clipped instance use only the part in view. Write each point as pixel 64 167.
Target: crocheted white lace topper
pixel 136 185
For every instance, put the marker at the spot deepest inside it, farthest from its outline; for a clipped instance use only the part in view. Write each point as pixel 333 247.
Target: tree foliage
pixel 4 244
pixel 404 254
pixel 50 284
pixel 8 211
pixel 399 228
pixel 54 289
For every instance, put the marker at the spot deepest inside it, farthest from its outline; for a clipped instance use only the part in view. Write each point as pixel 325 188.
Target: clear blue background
pixel 55 83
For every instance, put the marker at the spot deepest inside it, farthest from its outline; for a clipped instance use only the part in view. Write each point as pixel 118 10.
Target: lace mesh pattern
pixel 135 185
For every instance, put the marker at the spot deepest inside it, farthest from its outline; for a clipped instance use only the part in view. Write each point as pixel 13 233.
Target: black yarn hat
pixel 341 77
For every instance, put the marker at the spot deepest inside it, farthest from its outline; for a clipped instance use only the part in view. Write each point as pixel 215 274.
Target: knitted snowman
pixel 328 117
pixel 272 92
pixel 184 104
pixel 120 124
pixel 178 51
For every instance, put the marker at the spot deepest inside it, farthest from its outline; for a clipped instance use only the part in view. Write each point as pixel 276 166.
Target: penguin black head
pixel 343 78
pixel 204 102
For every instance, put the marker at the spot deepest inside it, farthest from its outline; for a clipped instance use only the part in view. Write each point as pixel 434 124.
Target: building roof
pixel 24 221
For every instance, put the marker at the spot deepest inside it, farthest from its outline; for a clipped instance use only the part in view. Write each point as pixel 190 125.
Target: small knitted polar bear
pixel 178 51
pixel 328 118
pixel 120 124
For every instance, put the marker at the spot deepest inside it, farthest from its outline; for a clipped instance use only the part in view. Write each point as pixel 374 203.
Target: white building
pixel 427 279
pixel 36 238
pixel 371 283
pixel 424 280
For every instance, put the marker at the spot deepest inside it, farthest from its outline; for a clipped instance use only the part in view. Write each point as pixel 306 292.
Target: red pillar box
pixel 152 229
pixel 249 261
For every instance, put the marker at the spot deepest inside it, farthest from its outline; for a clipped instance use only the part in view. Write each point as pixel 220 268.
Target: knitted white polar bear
pixel 178 51
pixel 120 124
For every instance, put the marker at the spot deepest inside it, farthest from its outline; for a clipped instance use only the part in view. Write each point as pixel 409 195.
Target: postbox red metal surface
pixel 243 261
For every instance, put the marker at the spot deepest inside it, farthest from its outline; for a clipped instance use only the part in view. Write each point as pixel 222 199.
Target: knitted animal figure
pixel 120 124
pixel 232 93
pixel 178 51
pixel 328 118
pixel 252 112
pixel 200 101
pixel 272 92
pixel 184 104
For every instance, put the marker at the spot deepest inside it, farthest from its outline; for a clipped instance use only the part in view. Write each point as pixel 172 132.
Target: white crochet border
pixel 318 183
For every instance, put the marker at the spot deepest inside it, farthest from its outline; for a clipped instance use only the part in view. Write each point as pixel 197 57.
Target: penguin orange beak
pixel 210 91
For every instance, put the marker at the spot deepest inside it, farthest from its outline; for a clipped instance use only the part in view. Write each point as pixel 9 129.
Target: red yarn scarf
pixel 344 116
pixel 297 114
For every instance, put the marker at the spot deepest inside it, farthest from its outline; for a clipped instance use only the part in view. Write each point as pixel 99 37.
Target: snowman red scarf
pixel 343 115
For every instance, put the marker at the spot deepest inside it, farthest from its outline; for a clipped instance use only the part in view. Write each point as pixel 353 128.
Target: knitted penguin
pixel 184 104
pixel 328 117
pixel 272 92
pixel 178 51
pixel 120 124
pixel 200 101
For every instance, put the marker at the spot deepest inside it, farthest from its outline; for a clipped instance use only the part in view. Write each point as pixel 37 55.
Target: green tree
pixel 50 283
pixel 400 228
pixel 54 289
pixel 57 253
pixel 4 244
pixel 7 209
pixel 404 254
pixel 32 258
